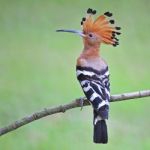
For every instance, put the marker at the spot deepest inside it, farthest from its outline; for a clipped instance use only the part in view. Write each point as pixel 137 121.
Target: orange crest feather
pixel 102 26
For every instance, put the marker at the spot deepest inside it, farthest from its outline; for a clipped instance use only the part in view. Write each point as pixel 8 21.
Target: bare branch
pixel 62 108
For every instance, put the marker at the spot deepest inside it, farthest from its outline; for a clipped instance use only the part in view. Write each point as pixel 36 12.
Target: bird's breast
pixel 95 63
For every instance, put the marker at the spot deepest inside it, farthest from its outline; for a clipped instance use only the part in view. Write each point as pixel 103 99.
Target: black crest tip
pixel 116 39
pixel 117 43
pixel 94 12
pixel 112 21
pixel 118 33
pixel 118 28
pixel 83 19
pixel 113 34
pixel 114 45
pixel 108 14
pixel 89 11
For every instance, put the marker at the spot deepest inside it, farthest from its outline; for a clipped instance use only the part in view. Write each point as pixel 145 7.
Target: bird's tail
pixel 100 130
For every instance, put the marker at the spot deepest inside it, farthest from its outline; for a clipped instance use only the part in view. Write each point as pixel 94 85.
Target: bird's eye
pixel 90 35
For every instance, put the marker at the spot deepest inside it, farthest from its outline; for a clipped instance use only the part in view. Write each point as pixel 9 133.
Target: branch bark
pixel 62 108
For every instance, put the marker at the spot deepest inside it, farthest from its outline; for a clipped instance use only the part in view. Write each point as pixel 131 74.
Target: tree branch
pixel 62 108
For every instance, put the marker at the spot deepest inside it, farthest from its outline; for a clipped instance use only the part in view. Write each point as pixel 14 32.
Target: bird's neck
pixel 90 57
pixel 91 51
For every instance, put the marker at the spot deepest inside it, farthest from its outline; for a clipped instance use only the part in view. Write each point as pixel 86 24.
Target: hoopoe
pixel 92 70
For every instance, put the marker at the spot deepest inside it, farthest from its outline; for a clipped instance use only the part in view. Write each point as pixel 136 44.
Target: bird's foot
pixel 81 101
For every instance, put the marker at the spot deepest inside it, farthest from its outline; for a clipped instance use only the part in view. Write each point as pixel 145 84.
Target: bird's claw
pixel 81 103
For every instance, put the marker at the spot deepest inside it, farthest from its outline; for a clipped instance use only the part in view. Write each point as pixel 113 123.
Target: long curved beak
pixel 72 31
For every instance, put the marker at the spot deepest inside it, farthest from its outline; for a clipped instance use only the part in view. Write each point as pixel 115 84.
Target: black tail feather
pixel 100 132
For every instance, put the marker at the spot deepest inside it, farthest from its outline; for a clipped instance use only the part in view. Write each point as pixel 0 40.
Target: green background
pixel 37 70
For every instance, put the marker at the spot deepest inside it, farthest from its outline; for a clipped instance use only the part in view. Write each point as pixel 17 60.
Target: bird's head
pixel 100 30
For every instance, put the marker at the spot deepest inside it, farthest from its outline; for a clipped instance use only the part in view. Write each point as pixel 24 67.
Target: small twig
pixel 62 108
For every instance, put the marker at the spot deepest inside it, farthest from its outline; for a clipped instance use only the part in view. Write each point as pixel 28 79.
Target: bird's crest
pixel 102 26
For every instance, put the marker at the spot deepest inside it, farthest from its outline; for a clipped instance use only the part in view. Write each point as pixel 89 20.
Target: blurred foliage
pixel 37 69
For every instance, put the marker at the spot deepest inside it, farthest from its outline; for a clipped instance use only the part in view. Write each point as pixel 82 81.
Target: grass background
pixel 37 69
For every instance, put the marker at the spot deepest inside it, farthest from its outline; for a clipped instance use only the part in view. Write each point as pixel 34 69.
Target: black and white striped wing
pixel 95 85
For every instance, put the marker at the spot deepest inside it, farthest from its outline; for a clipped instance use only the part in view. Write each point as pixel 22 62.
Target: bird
pixel 92 70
